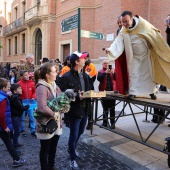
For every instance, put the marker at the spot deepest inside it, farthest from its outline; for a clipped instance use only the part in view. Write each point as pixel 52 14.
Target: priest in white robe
pixel 145 62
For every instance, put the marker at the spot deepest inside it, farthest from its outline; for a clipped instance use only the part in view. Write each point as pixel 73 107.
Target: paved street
pixel 95 156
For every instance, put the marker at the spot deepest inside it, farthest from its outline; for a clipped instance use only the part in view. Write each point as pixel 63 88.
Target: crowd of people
pixel 133 75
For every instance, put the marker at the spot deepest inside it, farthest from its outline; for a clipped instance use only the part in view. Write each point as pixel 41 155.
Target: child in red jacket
pixel 28 92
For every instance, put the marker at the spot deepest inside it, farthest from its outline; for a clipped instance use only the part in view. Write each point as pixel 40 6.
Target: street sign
pixel 109 37
pixel 94 35
pixel 69 23
pixel 69 27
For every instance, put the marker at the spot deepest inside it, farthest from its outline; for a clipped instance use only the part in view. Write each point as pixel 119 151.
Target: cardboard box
pixel 94 94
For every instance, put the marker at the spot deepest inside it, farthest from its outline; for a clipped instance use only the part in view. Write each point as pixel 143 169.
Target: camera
pixel 110 67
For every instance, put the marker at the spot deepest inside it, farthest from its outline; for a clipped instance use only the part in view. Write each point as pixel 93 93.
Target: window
pixel 23 43
pixel 9 46
pixel 15 39
pixel 9 18
pixel 16 12
pixel 23 8
pixel 38 5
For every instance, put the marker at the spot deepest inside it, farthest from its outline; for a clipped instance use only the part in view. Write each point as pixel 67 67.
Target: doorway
pixel 38 47
pixel 66 51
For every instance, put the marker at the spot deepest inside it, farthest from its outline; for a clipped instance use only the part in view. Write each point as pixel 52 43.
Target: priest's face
pixel 127 21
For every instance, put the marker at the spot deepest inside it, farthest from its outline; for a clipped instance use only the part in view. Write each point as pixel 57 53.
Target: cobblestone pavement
pixel 92 157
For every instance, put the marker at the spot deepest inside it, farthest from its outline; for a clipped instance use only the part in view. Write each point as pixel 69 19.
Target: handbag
pixel 47 124
pixel 50 126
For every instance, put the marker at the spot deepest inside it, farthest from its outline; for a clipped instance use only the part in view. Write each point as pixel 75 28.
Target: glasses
pixel 105 63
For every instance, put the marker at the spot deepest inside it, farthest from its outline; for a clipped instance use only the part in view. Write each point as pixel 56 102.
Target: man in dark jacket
pixel 78 81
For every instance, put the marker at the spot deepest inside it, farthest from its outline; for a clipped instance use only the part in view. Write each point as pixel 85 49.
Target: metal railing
pixel 14 25
pixel 32 12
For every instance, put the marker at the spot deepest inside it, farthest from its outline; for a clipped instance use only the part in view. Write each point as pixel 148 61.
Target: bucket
pixel 31 102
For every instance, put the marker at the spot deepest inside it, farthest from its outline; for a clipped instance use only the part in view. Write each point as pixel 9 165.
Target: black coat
pixel 17 107
pixel 70 80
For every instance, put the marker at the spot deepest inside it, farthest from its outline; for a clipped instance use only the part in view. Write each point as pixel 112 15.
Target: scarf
pixel 52 87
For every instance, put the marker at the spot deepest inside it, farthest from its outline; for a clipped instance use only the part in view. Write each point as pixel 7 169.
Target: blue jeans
pixel 30 113
pixel 77 127
pixel 16 122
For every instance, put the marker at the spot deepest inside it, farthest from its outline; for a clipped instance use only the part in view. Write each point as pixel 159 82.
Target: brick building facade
pixel 34 26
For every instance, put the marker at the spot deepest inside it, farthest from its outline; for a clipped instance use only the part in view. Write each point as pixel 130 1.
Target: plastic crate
pixel 31 102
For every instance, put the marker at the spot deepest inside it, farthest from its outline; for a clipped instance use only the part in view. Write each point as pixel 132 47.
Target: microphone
pixel 103 49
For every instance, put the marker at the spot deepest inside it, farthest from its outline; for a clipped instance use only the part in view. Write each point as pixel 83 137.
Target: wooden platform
pixel 162 101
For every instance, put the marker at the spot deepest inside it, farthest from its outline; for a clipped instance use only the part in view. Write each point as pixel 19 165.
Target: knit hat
pixel 76 55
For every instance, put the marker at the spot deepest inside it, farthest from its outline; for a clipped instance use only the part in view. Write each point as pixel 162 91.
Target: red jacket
pixel 102 78
pixel 28 89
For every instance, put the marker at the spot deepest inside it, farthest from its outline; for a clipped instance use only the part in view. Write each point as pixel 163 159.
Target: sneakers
pixel 33 134
pixel 73 165
pixel 20 162
pixel 23 133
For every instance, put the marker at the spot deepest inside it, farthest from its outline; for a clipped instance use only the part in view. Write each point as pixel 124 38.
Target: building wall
pixel 96 16
pixel 158 14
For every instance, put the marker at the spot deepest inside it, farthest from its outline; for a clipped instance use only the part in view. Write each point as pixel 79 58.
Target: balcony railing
pixel 32 12
pixel 13 26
